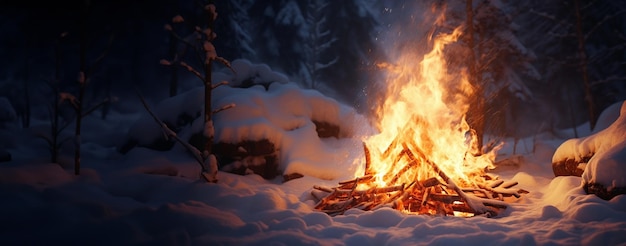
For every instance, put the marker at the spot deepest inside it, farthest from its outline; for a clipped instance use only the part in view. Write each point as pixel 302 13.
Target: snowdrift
pixel 262 134
pixel 599 158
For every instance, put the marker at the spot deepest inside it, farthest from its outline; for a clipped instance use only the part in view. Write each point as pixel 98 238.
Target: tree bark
pixel 174 68
pixel 476 114
pixel 582 56
pixel 208 88
pixel 82 80
pixel 26 113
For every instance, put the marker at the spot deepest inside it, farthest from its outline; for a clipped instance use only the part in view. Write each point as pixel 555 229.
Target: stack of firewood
pixel 419 197
pixel 437 195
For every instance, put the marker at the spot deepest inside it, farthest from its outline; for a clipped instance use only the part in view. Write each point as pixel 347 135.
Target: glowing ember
pixel 425 110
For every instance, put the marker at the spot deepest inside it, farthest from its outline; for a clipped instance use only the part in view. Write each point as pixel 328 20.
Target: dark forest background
pixel 541 62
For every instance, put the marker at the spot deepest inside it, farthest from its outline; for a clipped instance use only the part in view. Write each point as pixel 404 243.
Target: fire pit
pixel 426 158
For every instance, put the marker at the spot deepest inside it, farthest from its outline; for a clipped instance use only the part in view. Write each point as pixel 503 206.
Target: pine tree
pixel 581 46
pixel 316 43
pixel 499 65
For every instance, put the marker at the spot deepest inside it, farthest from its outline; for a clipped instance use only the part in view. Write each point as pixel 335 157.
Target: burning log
pixel 368 158
pixel 429 196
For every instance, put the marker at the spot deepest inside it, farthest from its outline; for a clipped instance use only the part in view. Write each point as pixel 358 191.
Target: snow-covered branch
pixel 193 150
pixel 219 84
pixel 192 70
pixel 225 107
pixel 225 62
pixel 66 96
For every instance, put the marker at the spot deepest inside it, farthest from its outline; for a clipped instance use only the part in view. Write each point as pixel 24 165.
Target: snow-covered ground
pixel 148 196
pixel 155 197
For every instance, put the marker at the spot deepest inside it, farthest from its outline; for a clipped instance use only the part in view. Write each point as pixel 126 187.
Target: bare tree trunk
pixel 208 88
pixel 174 69
pixel 82 80
pixel 208 112
pixel 571 112
pixel 582 55
pixel 476 114
pixel 54 128
pixel 26 113
pixel 107 92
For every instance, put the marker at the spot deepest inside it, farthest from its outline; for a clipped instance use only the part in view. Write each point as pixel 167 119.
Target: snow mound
pixel 287 116
pixel 605 151
pixel 608 116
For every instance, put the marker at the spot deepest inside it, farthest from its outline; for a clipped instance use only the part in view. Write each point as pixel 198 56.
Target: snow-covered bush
pixel 600 159
pixel 286 117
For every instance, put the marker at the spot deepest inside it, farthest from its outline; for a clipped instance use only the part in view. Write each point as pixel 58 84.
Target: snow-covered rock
pixel 601 157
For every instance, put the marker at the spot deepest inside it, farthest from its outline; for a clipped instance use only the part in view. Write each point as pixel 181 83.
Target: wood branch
pixel 318 194
pixel 192 70
pixel 509 184
pixel 390 199
pixel 495 183
pixel 183 40
pixel 95 107
pixel 219 84
pixel 226 63
pixel 357 180
pixel 449 199
pixel 472 203
pixel 195 152
pixel 368 159
pixel 404 133
pixel 369 191
pixel 430 182
pixel 401 172
pixel 425 196
pixel 323 188
pixel 395 161
pixel 225 107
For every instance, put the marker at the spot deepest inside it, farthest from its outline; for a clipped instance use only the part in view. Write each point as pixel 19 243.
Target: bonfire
pixel 425 159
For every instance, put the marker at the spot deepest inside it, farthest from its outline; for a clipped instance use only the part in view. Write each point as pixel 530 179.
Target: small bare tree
pixel 202 44
pixel 84 74
pixel 53 141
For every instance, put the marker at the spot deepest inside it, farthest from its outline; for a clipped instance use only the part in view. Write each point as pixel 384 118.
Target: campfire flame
pixel 425 109
pixel 425 159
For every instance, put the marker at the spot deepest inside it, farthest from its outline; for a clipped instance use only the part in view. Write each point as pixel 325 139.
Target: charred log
pixel 602 191
pixel 570 167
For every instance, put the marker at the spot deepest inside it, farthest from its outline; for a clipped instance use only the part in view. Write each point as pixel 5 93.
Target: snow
pixel 607 149
pixel 282 114
pixel 157 197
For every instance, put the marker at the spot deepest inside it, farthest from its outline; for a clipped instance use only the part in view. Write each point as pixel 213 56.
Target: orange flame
pixel 425 110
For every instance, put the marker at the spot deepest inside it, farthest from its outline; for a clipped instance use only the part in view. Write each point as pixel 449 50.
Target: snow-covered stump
pixel 600 159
